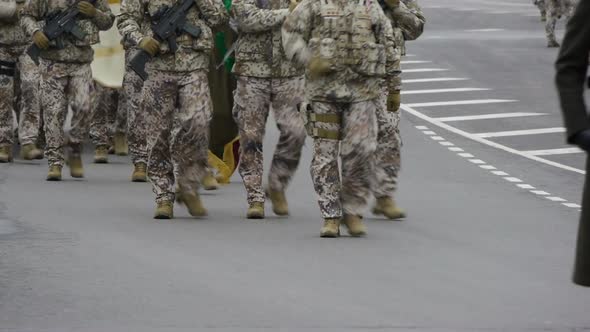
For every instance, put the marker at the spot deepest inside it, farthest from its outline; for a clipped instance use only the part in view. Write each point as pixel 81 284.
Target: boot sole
pixel 162 216
pixel 53 178
pixel 138 180
pixel 280 213
pixel 101 161
pixel 329 235
pixel 380 213
pixel 255 216
pixel 77 176
pixel 211 188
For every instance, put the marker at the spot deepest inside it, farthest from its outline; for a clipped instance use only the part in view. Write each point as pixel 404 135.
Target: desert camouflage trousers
pixel 178 110
pixel 253 99
pixel 63 85
pixel 106 117
pixel 388 154
pixel 349 193
pixel 19 91
pixel 554 10
pixel 129 104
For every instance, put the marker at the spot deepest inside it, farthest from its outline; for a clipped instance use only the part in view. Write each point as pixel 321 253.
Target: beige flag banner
pixel 108 66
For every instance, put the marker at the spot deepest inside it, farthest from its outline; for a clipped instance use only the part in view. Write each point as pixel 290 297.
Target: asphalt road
pixel 488 244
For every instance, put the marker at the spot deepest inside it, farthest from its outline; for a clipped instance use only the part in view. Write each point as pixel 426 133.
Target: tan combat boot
pixel 255 211
pixel 210 182
pixel 139 172
pixel 121 148
pixel 386 206
pixel 331 228
pixel 164 210
pixel 30 152
pixel 75 164
pixel 54 173
pixel 279 202
pixel 193 203
pixel 355 225
pixel 101 154
pixel 5 154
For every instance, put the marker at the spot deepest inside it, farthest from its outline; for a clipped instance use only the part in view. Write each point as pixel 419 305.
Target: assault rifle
pixel 57 25
pixel 167 24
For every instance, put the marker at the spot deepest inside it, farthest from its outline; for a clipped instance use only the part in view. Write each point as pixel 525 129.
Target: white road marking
pixel 525 186
pixel 455 149
pixel 437 138
pixel 413 62
pixel 512 179
pixel 428 132
pixel 522 132
pixel 500 173
pixel 484 141
pixel 484 30
pixel 466 155
pixel 446 143
pixel 550 152
pixel 477 161
pixel 421 127
pixel 435 79
pixel 572 205
pixel 423 70
pixel 488 167
pixel 421 92
pixel 540 192
pixel 462 102
pixel 486 116
pixel 556 199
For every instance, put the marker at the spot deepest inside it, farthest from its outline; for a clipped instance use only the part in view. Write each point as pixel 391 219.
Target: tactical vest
pixel 344 35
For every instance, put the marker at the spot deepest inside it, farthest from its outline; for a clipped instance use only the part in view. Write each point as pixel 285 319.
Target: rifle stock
pixel 34 51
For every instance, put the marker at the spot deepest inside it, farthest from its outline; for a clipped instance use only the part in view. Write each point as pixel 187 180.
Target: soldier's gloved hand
pixel 392 3
pixel 149 45
pixel 87 9
pixel 319 67
pixel 393 101
pixel 41 40
pixel 292 5
pixel 582 140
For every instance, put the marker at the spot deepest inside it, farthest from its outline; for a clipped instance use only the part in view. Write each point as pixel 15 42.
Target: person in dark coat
pixel 572 69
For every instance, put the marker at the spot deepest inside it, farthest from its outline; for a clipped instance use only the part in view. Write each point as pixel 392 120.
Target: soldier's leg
pixel 136 120
pixel 552 9
pixel 324 164
pixel 30 108
pixel 160 92
pixel 251 107
pixel 119 125
pixel 287 94
pixel 98 122
pixel 7 72
pixel 54 104
pixel 79 91
pixel 359 142
pixel 190 138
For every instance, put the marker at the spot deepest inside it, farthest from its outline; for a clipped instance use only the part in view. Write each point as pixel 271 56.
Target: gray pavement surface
pixel 478 252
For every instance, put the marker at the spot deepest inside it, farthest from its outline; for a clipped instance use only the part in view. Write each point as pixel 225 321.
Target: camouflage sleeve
pixel 32 15
pixel 410 19
pixel 214 12
pixel 129 21
pixel 250 18
pixel 296 32
pixel 104 16
pixel 384 36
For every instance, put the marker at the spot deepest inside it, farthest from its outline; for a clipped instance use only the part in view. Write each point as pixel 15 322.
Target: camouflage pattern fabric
pixel 74 51
pixel 555 9
pixel 356 40
pixel 253 99
pixel 408 22
pixel 177 130
pixel 129 105
pixel 64 84
pixel 388 154
pixel 104 114
pixel 347 194
pixel 19 90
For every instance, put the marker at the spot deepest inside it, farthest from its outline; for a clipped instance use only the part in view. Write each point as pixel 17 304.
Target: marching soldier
pixel 19 77
pixel 408 23
pixel 176 99
pixel 348 48
pixel 130 101
pixel 104 111
pixel 265 79
pixel 66 76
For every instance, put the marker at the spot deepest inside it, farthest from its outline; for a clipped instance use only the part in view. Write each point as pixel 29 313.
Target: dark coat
pixel 572 68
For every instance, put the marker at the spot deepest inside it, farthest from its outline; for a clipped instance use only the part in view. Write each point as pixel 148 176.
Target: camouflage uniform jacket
pixel 11 33
pixel 35 12
pixel 354 36
pixel 260 51
pixel 193 53
pixel 407 21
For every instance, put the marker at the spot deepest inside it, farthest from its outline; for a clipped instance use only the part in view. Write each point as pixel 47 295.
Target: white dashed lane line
pixel 429 91
pixel 435 79
pixel 461 102
pixel 493 170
